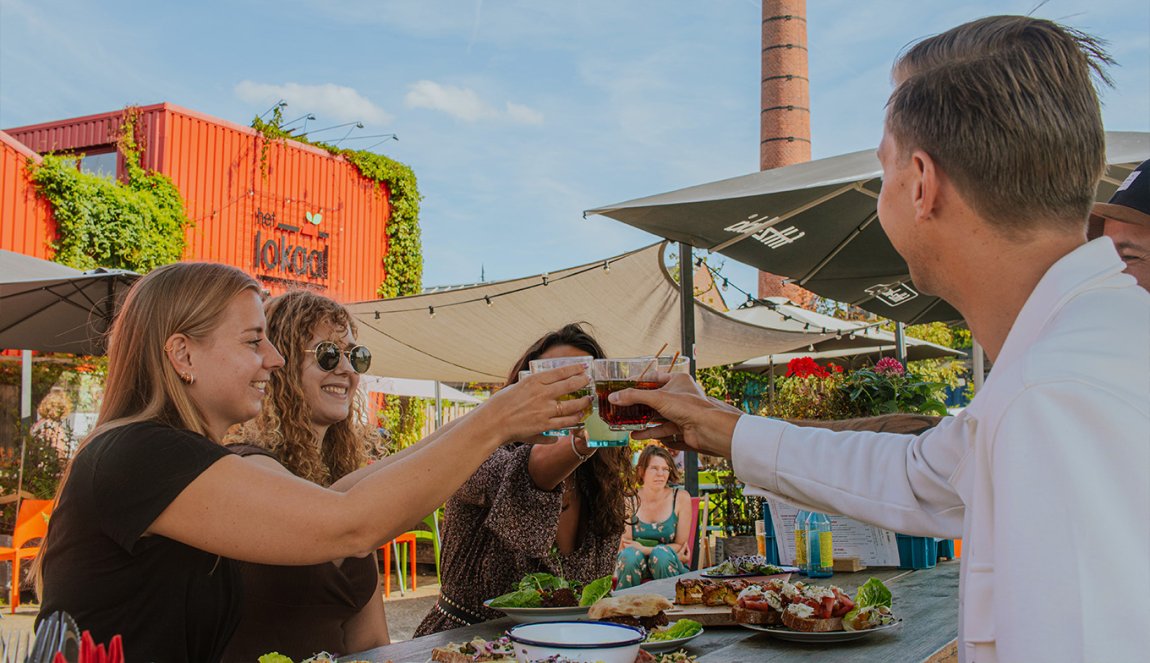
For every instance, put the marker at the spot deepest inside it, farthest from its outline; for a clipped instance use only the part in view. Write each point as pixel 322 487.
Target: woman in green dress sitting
pixel 655 542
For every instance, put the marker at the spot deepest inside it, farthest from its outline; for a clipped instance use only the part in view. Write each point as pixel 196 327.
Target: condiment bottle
pixel 820 546
pixel 801 541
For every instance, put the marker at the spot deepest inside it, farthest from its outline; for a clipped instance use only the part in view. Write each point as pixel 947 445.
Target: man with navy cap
pixel 1126 220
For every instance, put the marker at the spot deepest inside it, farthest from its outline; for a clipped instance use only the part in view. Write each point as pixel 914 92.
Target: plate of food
pixel 672 636
pixel 814 613
pixel 542 597
pixel 502 651
pixel 746 566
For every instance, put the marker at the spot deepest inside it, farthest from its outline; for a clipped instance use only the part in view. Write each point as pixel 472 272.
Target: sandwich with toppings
pixel 762 604
pixel 818 609
pixel 644 610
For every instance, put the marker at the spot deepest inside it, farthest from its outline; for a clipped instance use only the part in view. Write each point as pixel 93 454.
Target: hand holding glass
pixel 540 365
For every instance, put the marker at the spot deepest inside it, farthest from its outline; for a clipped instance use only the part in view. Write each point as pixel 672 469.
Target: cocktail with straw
pixel 613 375
pixel 540 365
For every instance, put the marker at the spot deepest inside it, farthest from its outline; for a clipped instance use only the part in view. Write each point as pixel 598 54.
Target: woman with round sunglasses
pixel 152 509
pixel 312 425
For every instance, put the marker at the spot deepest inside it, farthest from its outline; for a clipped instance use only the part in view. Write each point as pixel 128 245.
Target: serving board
pixel 706 615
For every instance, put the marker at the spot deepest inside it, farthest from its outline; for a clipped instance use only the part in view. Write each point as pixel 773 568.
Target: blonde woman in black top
pixel 152 508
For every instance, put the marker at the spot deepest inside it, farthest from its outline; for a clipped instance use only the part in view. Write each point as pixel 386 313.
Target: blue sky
pixel 518 115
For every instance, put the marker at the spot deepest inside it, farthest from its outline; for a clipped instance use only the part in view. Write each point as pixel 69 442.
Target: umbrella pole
pixel 25 418
pixel 438 407
pixel 687 313
pixel 900 342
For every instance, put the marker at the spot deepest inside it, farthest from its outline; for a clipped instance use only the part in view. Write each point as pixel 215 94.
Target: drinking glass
pixel 599 434
pixel 613 375
pixel 680 365
pixel 540 365
pixel 761 537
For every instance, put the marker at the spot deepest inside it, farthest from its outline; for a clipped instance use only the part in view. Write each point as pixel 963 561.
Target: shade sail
pixel 413 388
pixel 816 222
pixel 630 302
pixel 854 343
pixel 53 308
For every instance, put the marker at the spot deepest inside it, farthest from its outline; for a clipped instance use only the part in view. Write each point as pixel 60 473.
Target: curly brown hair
pixel 283 424
pixel 603 480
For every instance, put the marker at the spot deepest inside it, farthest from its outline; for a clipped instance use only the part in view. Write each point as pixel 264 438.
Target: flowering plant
pixel 888 387
pixel 810 391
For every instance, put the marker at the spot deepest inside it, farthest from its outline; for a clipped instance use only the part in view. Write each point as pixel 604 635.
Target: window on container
pixel 99 163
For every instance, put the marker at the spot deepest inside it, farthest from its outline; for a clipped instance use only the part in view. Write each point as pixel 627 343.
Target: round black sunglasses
pixel 327 356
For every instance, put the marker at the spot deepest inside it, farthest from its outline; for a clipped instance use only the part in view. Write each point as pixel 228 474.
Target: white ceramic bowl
pixel 576 641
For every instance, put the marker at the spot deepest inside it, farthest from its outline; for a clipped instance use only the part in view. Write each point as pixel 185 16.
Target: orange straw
pixel 654 362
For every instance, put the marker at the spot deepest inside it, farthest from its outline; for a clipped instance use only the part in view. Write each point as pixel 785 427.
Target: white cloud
pixel 523 115
pixel 327 101
pixel 466 104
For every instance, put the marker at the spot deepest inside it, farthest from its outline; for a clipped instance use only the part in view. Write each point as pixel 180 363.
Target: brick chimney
pixel 785 118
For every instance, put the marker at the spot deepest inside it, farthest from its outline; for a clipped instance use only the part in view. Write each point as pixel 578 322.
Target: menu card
pixel 873 546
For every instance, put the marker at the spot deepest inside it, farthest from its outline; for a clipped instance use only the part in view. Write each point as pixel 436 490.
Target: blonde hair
pixel 187 298
pixel 1007 107
pixel 283 425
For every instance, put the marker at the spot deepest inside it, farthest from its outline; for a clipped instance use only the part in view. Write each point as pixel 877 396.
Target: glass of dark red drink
pixel 613 375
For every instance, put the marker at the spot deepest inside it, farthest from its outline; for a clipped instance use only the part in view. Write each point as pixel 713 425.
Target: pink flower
pixel 889 366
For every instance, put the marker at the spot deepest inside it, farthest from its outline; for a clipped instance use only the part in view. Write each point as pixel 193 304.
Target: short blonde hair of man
pixel 1006 105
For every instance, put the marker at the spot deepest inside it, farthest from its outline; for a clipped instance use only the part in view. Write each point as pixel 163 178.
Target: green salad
pixel 745 565
pixel 543 590
pixel 684 628
pixel 872 607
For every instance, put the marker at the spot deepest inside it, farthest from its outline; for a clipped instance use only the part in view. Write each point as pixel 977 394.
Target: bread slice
pixel 756 617
pixel 811 624
pixel 689 591
pixel 633 605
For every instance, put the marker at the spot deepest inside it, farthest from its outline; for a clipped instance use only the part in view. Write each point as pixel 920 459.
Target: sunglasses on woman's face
pixel 327 356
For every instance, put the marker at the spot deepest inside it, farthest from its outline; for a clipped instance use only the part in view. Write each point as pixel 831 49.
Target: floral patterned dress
pixel 498 527
pixel 633 567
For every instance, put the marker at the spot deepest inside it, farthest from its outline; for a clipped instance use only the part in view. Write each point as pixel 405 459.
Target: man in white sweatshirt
pixel 992 149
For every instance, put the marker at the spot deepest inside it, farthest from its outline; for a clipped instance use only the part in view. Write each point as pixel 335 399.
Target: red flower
pixel 889 366
pixel 804 367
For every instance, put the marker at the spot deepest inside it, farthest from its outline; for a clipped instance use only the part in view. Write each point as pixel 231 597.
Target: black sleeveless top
pixel 298 611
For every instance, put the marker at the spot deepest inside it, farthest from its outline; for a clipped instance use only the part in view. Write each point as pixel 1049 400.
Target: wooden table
pixel 926 600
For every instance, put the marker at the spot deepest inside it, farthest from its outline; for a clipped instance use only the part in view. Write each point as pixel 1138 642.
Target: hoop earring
pixel 188 378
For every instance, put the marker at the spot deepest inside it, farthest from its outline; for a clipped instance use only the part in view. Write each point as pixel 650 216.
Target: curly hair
pixel 603 480
pixel 283 424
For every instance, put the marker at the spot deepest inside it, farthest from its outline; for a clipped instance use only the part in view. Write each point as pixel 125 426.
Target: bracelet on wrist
pixel 583 458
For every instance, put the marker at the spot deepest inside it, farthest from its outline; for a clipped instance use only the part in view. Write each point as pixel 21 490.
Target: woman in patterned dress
pixel 529 509
pixel 655 542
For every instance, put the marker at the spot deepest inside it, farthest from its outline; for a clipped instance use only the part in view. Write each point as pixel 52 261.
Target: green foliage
pixel 43 467
pixel 811 397
pixel 403 262
pixel 136 225
pixel 875 392
pixel 403 418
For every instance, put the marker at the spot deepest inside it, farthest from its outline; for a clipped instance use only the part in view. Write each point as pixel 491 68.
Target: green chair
pixel 432 521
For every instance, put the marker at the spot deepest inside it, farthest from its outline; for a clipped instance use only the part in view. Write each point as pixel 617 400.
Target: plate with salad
pixel 542 597
pixel 747 566
pixel 800 612
pixel 672 636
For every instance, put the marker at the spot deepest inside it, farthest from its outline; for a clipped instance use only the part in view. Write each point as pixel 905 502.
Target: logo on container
pixel 281 251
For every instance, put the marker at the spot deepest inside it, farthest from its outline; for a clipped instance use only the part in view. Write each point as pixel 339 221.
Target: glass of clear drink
pixel 540 365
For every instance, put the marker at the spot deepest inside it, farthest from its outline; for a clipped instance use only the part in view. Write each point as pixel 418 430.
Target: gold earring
pixel 188 378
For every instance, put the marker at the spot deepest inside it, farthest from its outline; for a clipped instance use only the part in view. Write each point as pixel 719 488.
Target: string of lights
pixel 489 299
pixel 755 301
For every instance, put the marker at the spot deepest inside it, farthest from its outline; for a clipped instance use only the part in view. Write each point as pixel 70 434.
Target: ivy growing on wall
pixel 403 262
pixel 137 224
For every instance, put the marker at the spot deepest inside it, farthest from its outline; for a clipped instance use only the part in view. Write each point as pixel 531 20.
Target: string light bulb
pixel 377 315
pixel 431 311
pixel 546 281
pixel 607 266
pixel 487 298
pixel 811 347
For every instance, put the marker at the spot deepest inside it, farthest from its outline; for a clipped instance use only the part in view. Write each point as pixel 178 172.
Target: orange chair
pixel 31 523
pixel 407 539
